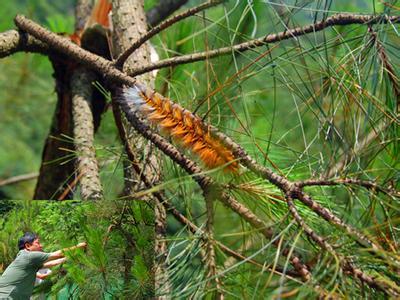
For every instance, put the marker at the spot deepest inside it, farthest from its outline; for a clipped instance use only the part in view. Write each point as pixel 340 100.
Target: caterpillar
pixel 180 124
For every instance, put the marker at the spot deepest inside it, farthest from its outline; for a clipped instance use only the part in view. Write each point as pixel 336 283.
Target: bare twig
pixel 335 20
pixel 119 62
pixel 18 179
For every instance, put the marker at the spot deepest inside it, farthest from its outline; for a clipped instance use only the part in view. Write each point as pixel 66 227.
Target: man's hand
pixel 43 276
pixel 82 245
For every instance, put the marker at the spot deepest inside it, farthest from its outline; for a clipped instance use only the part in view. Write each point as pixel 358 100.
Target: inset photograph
pixel 75 250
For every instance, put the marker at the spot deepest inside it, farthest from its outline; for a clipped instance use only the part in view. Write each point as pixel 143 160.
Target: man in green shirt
pixel 18 279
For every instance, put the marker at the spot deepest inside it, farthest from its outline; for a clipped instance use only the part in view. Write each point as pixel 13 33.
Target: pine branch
pixel 335 20
pixel 194 229
pixel 206 182
pixel 344 263
pixel 290 187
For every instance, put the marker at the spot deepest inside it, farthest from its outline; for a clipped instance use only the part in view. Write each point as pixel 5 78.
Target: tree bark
pixel 82 91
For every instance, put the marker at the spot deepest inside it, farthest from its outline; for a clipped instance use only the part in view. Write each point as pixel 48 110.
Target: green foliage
pixel 100 270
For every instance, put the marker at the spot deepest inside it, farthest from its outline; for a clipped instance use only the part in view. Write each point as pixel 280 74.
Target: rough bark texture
pixel 13 41
pixel 81 87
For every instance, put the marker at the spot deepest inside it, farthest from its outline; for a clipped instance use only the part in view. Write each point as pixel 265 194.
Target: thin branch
pixel 335 20
pixel 333 219
pixel 311 233
pixel 18 179
pixel 119 62
pixel 162 10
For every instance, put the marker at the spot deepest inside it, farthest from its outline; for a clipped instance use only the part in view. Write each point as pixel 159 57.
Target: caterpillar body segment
pixel 186 128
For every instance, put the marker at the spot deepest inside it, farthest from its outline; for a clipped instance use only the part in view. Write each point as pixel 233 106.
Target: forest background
pixel 321 106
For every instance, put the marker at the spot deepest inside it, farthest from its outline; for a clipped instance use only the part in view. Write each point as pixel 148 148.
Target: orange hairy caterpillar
pixel 182 125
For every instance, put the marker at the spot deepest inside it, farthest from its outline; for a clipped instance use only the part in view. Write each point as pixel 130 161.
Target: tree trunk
pixel 129 22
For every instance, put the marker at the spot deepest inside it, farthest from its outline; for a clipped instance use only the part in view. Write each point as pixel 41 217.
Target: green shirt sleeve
pixel 37 258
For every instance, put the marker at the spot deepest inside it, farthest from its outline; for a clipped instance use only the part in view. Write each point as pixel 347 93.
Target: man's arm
pixel 54 262
pixel 60 253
